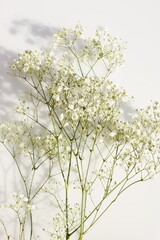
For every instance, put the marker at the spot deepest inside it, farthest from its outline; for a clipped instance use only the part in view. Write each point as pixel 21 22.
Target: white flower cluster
pixel 20 205
pixel 72 89
pixel 138 143
pixel 57 148
pixel 70 34
pixel 101 46
pixel 21 137
pixel 84 129
pixel 88 99
pixel 59 222
pixel 70 83
pixel 12 132
pixel 107 47
pixel 29 61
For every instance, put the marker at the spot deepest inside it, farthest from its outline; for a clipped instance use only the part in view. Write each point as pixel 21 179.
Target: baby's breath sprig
pixel 73 143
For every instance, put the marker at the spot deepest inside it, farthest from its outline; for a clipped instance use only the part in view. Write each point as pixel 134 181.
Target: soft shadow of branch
pixel 32 31
pixel 129 111
pixel 12 88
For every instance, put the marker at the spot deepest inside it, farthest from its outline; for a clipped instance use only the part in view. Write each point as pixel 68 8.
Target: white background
pixel 30 24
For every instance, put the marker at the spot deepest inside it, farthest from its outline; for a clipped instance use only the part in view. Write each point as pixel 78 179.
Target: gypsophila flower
pixel 20 205
pixel 28 61
pixel 112 134
pixel 74 138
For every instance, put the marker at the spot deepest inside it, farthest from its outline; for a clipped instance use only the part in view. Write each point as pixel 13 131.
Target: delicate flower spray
pixel 72 142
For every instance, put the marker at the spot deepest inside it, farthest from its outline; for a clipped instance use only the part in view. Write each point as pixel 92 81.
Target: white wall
pixel 29 24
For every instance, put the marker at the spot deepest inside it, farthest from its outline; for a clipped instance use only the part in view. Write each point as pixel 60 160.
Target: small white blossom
pixel 20 204
pixel 56 97
pixel 71 106
pixel 61 117
pixel 75 116
pixel 13 66
pixel 112 134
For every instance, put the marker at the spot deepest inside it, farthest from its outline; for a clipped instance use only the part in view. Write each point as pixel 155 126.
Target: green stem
pixel 31 223
pixel 82 214
pixel 5 229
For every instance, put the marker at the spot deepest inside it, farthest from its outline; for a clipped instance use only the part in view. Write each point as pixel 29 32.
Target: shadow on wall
pixel 129 111
pixel 12 88
pixel 32 31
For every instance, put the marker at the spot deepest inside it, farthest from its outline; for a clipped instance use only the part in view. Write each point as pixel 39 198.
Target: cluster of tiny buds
pixel 20 205
pixel 85 118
